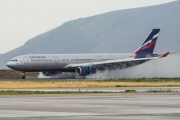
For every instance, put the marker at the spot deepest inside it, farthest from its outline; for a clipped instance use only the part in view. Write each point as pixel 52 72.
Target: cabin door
pixel 25 60
pixel 56 60
pixel 100 58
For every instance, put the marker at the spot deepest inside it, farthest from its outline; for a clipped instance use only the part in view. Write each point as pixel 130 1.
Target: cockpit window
pixel 14 60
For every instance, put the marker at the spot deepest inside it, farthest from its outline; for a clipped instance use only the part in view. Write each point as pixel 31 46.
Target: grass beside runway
pixel 28 92
pixel 161 82
pixel 19 92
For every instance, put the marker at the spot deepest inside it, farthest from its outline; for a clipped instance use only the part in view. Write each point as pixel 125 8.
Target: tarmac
pixel 106 106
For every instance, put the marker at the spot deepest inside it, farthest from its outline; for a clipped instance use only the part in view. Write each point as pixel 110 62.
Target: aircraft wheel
pixel 23 77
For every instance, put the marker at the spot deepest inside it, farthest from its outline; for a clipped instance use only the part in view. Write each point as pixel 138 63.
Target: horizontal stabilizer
pixel 164 55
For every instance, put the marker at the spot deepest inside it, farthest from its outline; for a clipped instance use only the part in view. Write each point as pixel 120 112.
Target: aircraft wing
pixel 127 62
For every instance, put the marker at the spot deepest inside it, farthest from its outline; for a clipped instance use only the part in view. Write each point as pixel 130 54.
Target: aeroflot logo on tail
pixel 37 57
pixel 152 41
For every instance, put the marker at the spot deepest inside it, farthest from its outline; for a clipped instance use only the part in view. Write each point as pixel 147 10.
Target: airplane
pixel 85 64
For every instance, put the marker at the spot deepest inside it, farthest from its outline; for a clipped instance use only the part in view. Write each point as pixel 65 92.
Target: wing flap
pixel 108 62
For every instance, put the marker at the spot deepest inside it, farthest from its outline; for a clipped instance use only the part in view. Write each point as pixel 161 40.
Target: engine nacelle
pixel 85 70
pixel 49 73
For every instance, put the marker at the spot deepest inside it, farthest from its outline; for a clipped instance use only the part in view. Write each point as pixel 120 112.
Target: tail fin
pixel 150 42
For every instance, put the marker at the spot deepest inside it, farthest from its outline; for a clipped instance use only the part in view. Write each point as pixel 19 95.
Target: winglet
pixel 164 55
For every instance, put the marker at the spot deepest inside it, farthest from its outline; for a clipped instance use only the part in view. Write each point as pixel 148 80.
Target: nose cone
pixel 10 64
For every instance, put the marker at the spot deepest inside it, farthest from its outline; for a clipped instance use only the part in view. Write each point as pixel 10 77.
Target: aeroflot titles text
pixel 37 57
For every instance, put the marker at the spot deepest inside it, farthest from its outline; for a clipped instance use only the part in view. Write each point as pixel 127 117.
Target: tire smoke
pixel 168 67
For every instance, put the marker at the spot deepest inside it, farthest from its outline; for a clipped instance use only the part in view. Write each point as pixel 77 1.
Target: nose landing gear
pixel 24 75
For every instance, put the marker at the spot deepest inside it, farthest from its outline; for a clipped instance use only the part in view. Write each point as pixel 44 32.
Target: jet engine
pixel 85 70
pixel 49 73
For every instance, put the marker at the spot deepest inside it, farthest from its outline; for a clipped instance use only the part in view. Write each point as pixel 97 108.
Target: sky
pixel 21 20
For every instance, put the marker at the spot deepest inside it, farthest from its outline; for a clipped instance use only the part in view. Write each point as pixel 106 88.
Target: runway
pixel 100 89
pixel 49 79
pixel 115 106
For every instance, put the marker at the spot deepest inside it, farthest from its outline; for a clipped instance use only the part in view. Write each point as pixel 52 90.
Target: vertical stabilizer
pixel 150 42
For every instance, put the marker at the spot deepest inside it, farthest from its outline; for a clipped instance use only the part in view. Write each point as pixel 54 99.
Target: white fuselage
pixel 50 62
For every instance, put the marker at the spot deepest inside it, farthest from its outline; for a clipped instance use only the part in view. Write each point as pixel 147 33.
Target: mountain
pixel 112 32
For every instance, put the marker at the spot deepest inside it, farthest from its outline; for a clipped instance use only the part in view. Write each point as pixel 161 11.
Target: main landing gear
pixel 24 75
